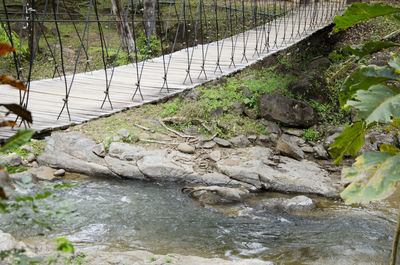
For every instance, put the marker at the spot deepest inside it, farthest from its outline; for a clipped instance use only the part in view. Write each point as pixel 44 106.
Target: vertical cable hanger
pixel 218 66
pixel 68 90
pixel 138 88
pixel 103 56
pixel 255 25
pixel 36 46
pixel 233 43
pixel 160 29
pixel 55 14
pixel 244 34
pixel 201 8
pixel 137 84
pixel 85 49
pixel 185 36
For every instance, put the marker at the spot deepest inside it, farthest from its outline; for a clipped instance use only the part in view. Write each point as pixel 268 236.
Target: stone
pixel 300 86
pixel 240 141
pixel 215 179
pixel 129 152
pixel 237 108
pixel 193 95
pixel 192 130
pixel 287 147
pixel 8 242
pixel 294 132
pixel 223 125
pixel 263 140
pixel 99 150
pixel 28 148
pixel 307 149
pixel 252 138
pixel 206 145
pixel 222 142
pixel 319 62
pixel 300 203
pixel 216 112
pixel 246 93
pixel 124 168
pixel 186 148
pixel 216 194
pixel 35 164
pixel 374 139
pixel 287 111
pixel 251 113
pixel 42 173
pixel 116 138
pixel 272 127
pixel 13 160
pixel 59 173
pixel 257 166
pixel 124 133
pixel 330 139
pixel 74 153
pixel 215 156
pixel 31 157
pixel 24 176
pixel 163 168
pixel 320 152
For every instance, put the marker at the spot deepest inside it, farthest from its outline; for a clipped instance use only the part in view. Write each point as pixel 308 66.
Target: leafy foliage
pixel 366 77
pixel 375 176
pixel 359 12
pixel 18 139
pixel 370 47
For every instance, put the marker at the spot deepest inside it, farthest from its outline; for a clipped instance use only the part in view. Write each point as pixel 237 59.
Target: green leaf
pixel 395 63
pixel 388 148
pixel 378 104
pixel 375 176
pixel 370 47
pixel 18 139
pixel 349 142
pixel 359 12
pixel 363 79
pixel 65 246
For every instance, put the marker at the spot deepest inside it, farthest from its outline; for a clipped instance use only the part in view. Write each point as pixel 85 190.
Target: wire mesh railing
pixel 61 38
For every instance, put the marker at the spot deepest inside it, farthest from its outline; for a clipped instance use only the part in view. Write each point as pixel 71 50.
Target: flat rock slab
pixel 252 168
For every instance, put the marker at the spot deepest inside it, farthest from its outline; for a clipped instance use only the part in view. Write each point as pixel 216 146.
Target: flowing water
pixel 129 215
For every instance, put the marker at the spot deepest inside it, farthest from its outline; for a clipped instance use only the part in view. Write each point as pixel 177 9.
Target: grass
pixel 37 145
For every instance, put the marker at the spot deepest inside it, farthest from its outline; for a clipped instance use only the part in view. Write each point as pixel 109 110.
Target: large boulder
pixel 279 173
pixel 287 111
pixel 74 153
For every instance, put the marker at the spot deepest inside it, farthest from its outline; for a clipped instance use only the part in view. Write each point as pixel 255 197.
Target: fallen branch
pixel 144 128
pixel 175 132
pixel 158 142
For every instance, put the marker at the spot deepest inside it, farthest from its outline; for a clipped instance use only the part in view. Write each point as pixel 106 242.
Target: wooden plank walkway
pixel 87 93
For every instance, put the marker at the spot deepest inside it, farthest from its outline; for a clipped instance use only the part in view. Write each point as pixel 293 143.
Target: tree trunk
pixel 123 27
pixel 148 16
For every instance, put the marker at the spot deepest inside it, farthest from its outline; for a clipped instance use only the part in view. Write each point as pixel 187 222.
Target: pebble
pixel 222 142
pixel 186 148
pixel 31 157
pixel 59 173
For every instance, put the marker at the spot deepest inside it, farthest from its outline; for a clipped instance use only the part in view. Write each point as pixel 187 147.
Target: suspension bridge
pixel 198 41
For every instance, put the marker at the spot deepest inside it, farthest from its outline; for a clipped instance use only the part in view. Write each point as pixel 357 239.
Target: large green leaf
pixel 359 12
pixel 375 176
pixel 395 63
pixel 370 47
pixel 363 79
pixel 349 142
pixel 18 139
pixel 378 104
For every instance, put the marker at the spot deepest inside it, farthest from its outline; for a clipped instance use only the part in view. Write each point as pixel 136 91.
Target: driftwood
pixel 175 132
pixel 158 142
pixel 179 119
pixel 143 128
